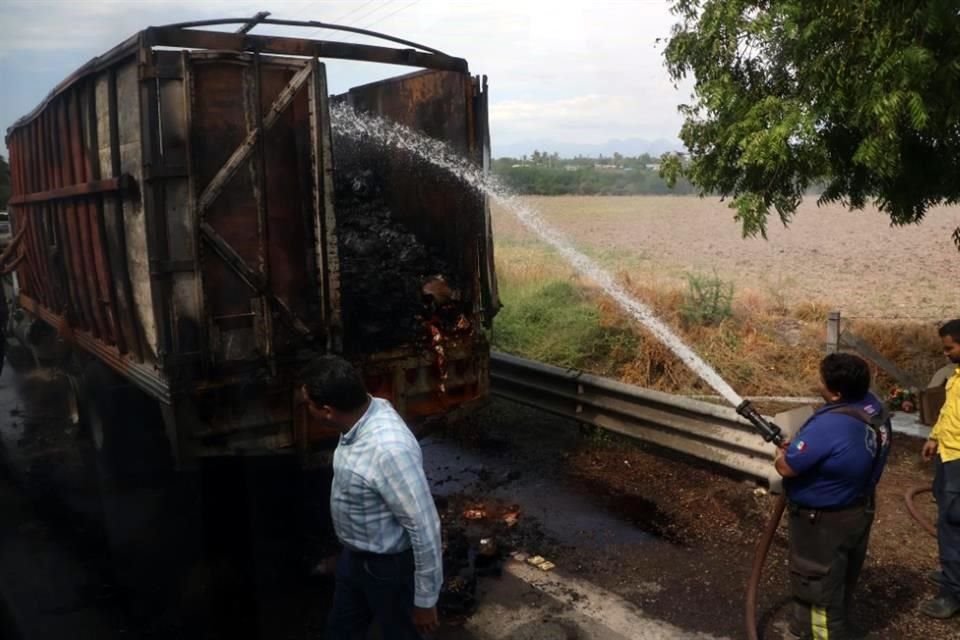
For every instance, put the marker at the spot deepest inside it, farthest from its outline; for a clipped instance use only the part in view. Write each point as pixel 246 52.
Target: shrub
pixel 708 300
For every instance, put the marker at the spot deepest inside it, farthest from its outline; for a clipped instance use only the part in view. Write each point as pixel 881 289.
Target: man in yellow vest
pixel 944 448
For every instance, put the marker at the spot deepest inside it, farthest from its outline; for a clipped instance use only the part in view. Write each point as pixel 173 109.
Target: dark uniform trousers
pixel 827 551
pixel 946 491
pixel 373 589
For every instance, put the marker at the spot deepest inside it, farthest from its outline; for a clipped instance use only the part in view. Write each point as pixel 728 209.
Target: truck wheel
pixel 125 427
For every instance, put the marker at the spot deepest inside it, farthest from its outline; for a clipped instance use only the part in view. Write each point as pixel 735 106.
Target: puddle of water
pixel 571 514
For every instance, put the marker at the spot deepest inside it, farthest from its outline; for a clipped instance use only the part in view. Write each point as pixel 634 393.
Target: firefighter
pixel 830 470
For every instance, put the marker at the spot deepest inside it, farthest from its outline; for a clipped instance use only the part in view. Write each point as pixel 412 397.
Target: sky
pixel 569 76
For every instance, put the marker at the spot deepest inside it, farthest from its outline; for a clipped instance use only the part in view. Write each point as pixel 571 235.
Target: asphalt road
pixel 223 552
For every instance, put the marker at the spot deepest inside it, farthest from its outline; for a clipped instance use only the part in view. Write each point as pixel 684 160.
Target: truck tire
pixel 125 426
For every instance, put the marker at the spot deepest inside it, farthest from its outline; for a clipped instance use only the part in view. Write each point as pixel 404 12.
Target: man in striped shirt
pixel 390 569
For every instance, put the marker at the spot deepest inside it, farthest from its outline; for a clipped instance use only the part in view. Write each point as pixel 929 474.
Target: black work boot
pixel 942 607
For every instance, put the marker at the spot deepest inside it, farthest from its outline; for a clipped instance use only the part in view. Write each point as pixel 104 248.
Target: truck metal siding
pixel 211 296
pixel 130 148
pixel 58 196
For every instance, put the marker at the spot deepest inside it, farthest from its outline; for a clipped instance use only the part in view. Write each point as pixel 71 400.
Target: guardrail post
pixel 833 332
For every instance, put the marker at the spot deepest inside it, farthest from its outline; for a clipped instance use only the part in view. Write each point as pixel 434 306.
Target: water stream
pixel 375 130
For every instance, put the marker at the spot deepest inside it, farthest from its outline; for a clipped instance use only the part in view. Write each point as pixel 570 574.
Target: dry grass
pixel 851 261
pixel 766 348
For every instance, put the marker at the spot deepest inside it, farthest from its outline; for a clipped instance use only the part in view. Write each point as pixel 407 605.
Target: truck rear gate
pixel 181 225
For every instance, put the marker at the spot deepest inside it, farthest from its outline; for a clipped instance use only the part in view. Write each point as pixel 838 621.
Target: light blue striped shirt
pixel 381 500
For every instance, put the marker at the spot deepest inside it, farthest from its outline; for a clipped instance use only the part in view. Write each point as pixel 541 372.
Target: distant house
pixel 653 166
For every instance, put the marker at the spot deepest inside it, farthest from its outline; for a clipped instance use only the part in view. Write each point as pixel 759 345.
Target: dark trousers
pixel 946 490
pixel 827 550
pixel 373 588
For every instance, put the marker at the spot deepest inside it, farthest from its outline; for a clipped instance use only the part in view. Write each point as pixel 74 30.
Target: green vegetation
pixel 861 96
pixel 554 321
pixel 552 316
pixel 551 175
pixel 4 183
pixel 708 300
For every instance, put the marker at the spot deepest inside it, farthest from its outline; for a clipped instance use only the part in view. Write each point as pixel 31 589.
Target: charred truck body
pixel 196 231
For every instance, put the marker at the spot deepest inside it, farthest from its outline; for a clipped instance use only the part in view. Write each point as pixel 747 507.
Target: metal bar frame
pixel 75 173
pixel 65 260
pixel 212 191
pixel 39 179
pixel 324 222
pixel 88 210
pixel 98 209
pixel 262 18
pixel 259 181
pixel 250 277
pixel 27 175
pixel 128 320
pixel 253 22
pixel 125 182
pixel 154 201
pixel 49 211
pixel 710 432
pixel 175 37
pixel 178 35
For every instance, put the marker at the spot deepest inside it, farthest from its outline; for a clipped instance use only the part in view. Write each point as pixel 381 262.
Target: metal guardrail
pixel 706 431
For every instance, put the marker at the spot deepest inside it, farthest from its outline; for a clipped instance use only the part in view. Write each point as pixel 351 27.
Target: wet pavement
pixel 222 552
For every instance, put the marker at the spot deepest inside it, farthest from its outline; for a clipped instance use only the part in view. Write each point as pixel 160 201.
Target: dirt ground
pixel 83 558
pixel 691 567
pixel 853 261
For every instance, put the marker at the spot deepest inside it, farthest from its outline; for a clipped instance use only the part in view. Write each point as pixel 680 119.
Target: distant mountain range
pixel 627 147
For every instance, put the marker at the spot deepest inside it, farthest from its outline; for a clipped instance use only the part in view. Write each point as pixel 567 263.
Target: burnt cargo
pixel 192 225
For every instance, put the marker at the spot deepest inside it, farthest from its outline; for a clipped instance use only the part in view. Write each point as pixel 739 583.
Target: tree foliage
pixel 4 183
pixel 861 97
pixel 549 174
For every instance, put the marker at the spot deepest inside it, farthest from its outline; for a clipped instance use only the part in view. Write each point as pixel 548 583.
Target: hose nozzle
pixel 768 430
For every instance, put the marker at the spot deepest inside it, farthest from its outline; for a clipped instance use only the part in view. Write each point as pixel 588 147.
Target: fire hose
pixel 771 433
pixel 909 497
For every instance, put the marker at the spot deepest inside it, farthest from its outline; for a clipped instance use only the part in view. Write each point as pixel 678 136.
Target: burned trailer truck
pixel 193 232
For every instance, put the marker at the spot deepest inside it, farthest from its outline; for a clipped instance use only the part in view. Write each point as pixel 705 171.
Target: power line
pixel 392 13
pixel 353 11
pixel 339 19
pixel 372 12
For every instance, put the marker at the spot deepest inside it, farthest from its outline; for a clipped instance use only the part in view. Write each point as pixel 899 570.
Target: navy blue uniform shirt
pixel 833 456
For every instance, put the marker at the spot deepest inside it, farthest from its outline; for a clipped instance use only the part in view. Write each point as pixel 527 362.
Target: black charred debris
pixel 395 289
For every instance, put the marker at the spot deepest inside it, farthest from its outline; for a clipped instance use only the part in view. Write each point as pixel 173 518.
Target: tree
pixel 861 97
pixel 4 183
